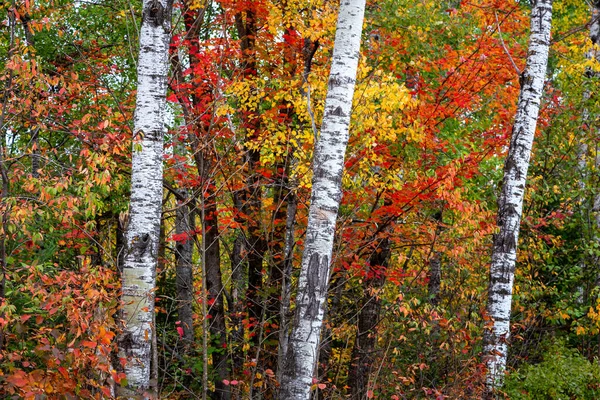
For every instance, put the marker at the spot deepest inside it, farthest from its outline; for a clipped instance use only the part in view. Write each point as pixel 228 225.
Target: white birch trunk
pixel 594 54
pixel 139 266
pixel 510 203
pixel 595 31
pixel 328 166
pixel 583 149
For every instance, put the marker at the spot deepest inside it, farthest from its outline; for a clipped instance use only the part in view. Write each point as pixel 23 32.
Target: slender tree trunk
pixel 121 240
pixel 286 280
pixel 216 310
pixel 5 209
pixel 184 225
pixel 139 266
pixel 363 353
pixel 35 153
pixel 328 166
pixel 435 264
pixel 236 308
pixel 282 240
pixel 212 268
pixel 335 292
pixel 309 49
pixel 184 249
pixel 510 202
pixel 256 244
pixel 589 206
pixel 435 277
pixel 214 322
pixel 594 54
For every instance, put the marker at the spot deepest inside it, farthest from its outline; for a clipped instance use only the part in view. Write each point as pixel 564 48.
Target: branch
pixel 504 46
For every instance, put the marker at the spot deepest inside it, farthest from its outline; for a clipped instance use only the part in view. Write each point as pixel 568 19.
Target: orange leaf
pixel 88 343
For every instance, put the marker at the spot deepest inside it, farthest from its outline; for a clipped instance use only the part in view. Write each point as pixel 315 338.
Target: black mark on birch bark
pixel 141 245
pixel 316 267
pixel 338 112
pixel 155 13
pixel 334 81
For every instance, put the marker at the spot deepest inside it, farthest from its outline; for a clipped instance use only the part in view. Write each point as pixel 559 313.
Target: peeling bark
pixel 326 196
pixel 140 259
pixel 510 202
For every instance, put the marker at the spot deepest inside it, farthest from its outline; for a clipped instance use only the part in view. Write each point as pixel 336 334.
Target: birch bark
pixel 589 206
pixel 594 54
pixel 510 202
pixel 142 239
pixel 328 166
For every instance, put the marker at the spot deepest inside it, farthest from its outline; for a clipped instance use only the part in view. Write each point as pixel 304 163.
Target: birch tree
pixel 510 202
pixel 328 165
pixel 592 75
pixel 583 151
pixel 594 52
pixel 139 266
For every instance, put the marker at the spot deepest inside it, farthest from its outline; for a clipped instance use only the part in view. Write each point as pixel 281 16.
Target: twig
pixel 504 45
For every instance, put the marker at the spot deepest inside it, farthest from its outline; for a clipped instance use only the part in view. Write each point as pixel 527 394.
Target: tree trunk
pixel 435 277
pixel 309 49
pixel 139 266
pixel 595 31
pixel 212 267
pixel 326 196
pixel 594 54
pixel 216 311
pixel 435 263
pixel 286 283
pixel 589 206
pixel 256 244
pixel 510 202
pixel 331 315
pixel 209 247
pixel 184 249
pixel 235 306
pixel 184 225
pixel 363 353
pixel 5 209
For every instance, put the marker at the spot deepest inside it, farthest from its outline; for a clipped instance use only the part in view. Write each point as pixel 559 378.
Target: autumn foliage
pixel 432 115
